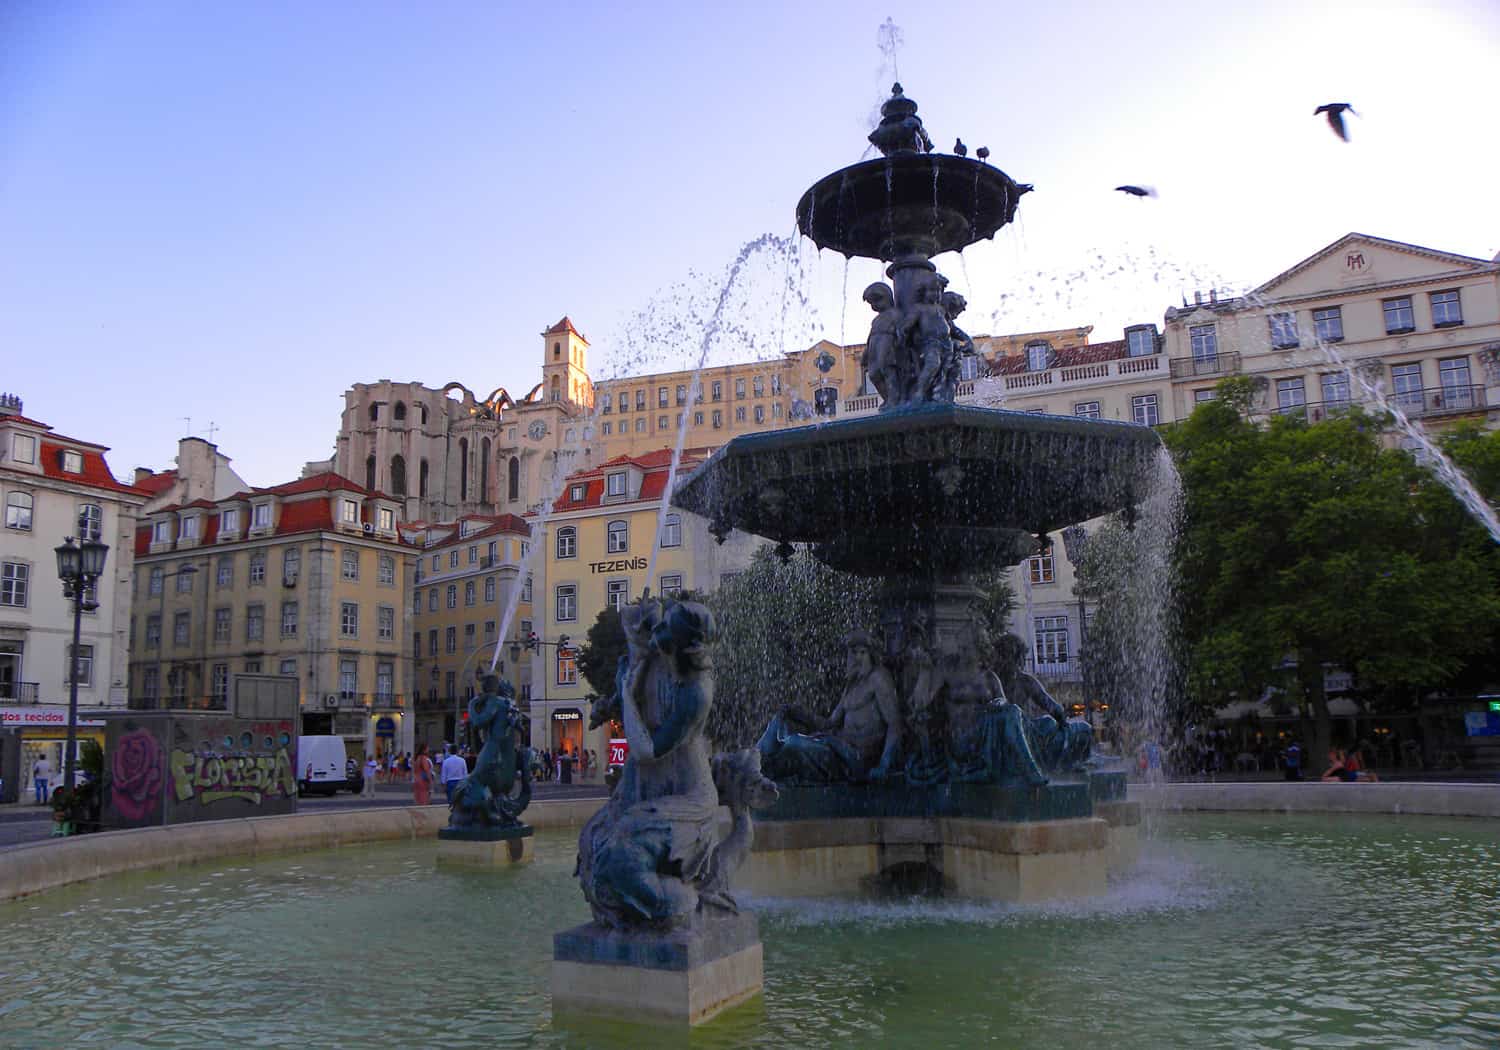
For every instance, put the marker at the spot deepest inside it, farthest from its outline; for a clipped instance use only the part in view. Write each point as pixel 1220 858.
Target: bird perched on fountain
pixel 983 153
pixel 959 148
pixel 1137 191
pixel 1334 111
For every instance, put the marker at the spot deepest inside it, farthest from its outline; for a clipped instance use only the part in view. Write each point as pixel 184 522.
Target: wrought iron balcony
pixel 20 692
pixel 1314 411
pixel 1221 364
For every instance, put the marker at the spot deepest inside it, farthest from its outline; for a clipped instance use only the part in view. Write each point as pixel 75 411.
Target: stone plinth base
pixel 993 860
pixel 683 976
pixel 485 848
pixel 1124 820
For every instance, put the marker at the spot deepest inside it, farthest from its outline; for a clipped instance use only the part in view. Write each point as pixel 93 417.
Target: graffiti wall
pixel 175 768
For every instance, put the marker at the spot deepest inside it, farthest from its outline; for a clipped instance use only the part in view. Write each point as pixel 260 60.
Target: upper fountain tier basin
pixel 908 204
pixel 940 488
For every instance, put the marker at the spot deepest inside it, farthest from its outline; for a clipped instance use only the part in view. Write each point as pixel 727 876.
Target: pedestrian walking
pixel 41 777
pixel 421 781
pixel 455 769
pixel 371 768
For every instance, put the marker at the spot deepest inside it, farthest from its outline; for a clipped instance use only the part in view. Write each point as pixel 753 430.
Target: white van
pixel 320 765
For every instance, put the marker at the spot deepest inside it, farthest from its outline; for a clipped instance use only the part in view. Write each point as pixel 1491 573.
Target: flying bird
pixel 960 148
pixel 1335 112
pixel 1137 191
pixel 983 153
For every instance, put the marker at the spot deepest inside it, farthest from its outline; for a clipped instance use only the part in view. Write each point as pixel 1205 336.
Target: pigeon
pixel 983 153
pixel 1335 111
pixel 960 148
pixel 1137 191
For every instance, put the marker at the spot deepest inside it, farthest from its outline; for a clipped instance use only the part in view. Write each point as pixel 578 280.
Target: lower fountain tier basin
pixel 924 489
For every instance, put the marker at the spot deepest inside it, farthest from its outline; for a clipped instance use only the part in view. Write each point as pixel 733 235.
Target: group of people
pixel 562 765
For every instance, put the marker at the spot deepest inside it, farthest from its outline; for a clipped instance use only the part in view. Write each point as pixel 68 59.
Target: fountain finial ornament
pixel 900 129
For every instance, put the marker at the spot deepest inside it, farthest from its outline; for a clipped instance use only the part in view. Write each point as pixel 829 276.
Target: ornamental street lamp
pixel 79 567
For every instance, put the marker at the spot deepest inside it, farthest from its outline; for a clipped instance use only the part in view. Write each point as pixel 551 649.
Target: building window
pixel 1335 388
pixel 718 419
pixel 159 533
pixel 416 605
pixel 348 512
pixel 224 571
pixel 432 600
pixel 1406 382
pixel 606 404
pixel 739 413
pixel 23 448
pixel 1086 409
pixel 567 667
pixel 640 425
pixel 349 619
pixel 609 429
pixel 739 389
pixel 385 623
pixel 489 630
pixel 90 521
pixel 576 493
pixel 351 565
pixel 681 393
pixel 18 511
pixel 184 581
pixel 385 682
pixel 85 665
pixel 617 537
pixel 260 516
pixel 671 585
pixel 526 589
pixel 452 596
pixel 153 631
pixel 1398 315
pixel 671 531
pixel 222 618
pixel 1038 356
pixel 258 568
pixel 615 484
pixel 154 581
pixel 473 554
pixel 617 593
pixel 182 628
pixel 1040 568
pixel 661 397
pixel 775 409
pixel 72 462
pixel 348 678
pixel 288 669
pixel 468 637
pixel 229 521
pixel 697 419
pixel 14 577
pixel 291 565
pixel 1140 342
pixel 1204 339
pixel 1143 410
pixel 255 622
pixel 640 400
pixel 1283 331
pixel 1328 324
pixel 453 559
pixel 288 619
pixel 387 519
pixel 1051 639
pixel 190 527
pixel 1446 311
pixel 567 603
pixel 386 571
pixel 1453 382
pixel 219 684
pixel 450 640
pixel 489 589
pixel 469 593
pixel 150 683
pixel 1291 396
pixel 624 401
pixel 717 390
pixel 432 642
pixel 567 542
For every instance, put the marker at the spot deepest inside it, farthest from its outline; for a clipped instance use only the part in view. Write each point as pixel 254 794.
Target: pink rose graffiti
pixel 136 775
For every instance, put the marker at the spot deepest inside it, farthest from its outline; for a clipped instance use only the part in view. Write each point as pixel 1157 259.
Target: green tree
pixel 601 651
pixel 1313 546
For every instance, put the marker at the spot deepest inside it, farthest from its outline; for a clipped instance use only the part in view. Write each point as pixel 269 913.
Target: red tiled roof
pixel 565 325
pixel 157 483
pixel 1065 357
pixel 654 465
pixel 96 472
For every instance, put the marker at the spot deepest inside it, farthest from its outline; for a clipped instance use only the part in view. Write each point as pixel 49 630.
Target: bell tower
pixel 565 377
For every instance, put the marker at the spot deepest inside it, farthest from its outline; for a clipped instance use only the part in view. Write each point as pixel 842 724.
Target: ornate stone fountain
pixel 943 765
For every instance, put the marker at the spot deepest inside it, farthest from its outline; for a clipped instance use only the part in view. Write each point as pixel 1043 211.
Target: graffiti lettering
pixel 213 778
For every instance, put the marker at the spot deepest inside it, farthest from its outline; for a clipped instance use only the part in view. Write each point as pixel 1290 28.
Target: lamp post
pixel 161 619
pixel 79 567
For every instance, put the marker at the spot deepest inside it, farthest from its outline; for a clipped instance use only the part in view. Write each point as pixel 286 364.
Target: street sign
pixel 619 748
pixel 385 727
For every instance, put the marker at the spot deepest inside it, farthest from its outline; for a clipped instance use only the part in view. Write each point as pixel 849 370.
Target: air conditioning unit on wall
pixel 331 700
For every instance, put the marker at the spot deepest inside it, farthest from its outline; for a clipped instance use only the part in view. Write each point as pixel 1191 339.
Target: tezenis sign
pixel 623 565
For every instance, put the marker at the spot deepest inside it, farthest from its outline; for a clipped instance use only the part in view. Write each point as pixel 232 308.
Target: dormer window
pixel 260 516
pixel 23 448
pixel 576 494
pixel 387 520
pixel 190 527
pixel 160 533
pixel 72 462
pixel 1038 356
pixel 229 520
pixel 616 483
pixel 348 512
pixel 1140 342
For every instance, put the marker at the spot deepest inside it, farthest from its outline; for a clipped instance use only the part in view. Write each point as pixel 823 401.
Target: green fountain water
pixel 1236 931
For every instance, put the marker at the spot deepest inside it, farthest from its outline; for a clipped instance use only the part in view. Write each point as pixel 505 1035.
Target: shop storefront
pixel 33 731
pixel 567 731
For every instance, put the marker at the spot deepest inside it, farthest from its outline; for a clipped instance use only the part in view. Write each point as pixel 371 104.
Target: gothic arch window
pixel 513 492
pixel 484 470
pixel 463 468
pixel 398 475
pixel 422 478
pixel 374 411
pixel 370 471
pixel 399 412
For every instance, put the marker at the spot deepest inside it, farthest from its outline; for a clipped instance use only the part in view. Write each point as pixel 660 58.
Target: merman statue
pixel 484 799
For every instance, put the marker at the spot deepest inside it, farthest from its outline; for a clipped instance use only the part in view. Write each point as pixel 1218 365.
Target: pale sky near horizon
pixel 233 211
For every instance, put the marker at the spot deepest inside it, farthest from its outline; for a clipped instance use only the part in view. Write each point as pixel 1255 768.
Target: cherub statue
pixel 961 345
pixel 930 332
pixel 882 357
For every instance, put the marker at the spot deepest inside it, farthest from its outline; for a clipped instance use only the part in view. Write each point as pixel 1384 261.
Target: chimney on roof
pixel 1213 295
pixel 10 404
pixel 1197 298
pixel 143 474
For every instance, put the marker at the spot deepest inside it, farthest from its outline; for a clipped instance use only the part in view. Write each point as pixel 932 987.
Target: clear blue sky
pixel 234 211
